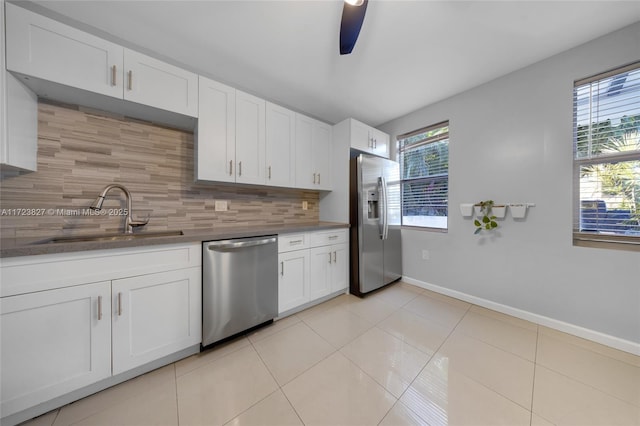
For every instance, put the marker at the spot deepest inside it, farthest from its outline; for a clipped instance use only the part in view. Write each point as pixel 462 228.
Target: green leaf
pixel 485 219
pixel 477 231
pixel 476 222
pixel 493 217
pixel 494 224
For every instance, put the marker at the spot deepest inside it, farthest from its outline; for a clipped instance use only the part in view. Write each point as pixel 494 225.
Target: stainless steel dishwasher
pixel 239 285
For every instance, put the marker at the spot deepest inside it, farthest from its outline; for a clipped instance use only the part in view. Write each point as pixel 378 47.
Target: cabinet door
pixel 360 138
pixel 155 315
pixel 319 273
pixel 250 139
pixel 280 146
pixel 380 142
pixel 339 267
pixel 216 133
pixel 322 154
pixel 305 172
pixel 293 279
pixel 43 48
pixel 149 81
pixel 54 342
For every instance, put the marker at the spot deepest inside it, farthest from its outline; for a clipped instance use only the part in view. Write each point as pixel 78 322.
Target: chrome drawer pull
pixel 119 304
pixel 113 75
pixel 99 308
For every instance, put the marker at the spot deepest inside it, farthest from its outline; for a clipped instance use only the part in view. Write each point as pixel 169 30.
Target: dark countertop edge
pixel 15 247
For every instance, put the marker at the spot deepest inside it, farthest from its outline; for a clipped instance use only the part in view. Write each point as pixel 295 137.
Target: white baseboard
pixel 585 333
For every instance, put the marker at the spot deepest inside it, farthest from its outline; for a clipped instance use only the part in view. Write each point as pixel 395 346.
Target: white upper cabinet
pixel 215 139
pixel 18 118
pixel 366 138
pixel 313 153
pixel 54 52
pixel 250 139
pixel 379 142
pixel 149 81
pixel 280 146
pixel 41 47
pixel 321 142
pixel 230 136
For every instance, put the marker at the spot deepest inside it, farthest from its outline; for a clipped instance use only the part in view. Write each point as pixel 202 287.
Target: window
pixel 607 157
pixel 424 167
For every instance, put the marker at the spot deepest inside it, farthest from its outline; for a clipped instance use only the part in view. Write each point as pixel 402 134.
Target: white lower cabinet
pixel 71 320
pixel 54 342
pixel 293 281
pixel 153 316
pixel 312 265
pixel 329 270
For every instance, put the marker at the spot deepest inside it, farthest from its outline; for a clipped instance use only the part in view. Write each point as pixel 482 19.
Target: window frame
pixel 593 239
pixel 399 151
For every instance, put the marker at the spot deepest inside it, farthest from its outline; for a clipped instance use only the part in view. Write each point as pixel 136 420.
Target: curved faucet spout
pixel 129 222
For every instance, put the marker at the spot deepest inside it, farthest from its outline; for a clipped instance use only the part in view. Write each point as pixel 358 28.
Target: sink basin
pixel 109 237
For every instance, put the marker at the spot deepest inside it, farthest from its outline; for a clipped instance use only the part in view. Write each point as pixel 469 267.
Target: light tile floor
pixel 403 356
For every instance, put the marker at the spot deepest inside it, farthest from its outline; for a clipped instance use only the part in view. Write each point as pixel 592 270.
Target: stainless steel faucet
pixel 129 223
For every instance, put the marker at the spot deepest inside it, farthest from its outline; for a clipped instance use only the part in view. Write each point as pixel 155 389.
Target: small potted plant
pixel 485 220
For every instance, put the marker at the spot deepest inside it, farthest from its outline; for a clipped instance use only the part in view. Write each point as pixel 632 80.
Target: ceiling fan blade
pixel 352 19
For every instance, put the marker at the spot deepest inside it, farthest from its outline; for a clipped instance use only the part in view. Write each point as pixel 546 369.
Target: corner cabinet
pixel 312 266
pixel 72 320
pixel 365 138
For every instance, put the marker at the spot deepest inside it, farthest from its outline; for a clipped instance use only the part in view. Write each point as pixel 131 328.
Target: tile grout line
pixel 175 382
pixel 276 382
pixel 431 358
pixel 533 385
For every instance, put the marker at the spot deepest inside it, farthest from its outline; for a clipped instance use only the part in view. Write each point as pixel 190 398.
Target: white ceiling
pixel 409 53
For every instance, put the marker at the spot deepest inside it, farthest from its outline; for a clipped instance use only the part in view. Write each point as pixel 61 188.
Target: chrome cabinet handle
pixel 329 257
pixel 269 172
pixel 282 268
pixel 333 237
pixel 334 257
pixel 295 242
pixel 130 80
pixel 240 168
pixel 99 308
pixel 230 167
pixel 113 75
pixel 318 178
pixel 119 304
pixel 314 178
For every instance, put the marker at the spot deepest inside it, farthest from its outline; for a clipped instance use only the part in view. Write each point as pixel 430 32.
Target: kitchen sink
pixel 109 237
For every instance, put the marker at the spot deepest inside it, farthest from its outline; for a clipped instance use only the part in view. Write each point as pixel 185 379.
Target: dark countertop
pixel 13 247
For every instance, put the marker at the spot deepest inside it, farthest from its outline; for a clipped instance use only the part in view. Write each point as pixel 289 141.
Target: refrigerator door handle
pixel 385 210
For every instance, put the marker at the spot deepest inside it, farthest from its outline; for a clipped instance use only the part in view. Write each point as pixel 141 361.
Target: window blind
pixel 607 154
pixel 424 165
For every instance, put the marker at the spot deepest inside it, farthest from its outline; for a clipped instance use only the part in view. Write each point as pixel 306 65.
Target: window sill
pixel 613 242
pixel 424 228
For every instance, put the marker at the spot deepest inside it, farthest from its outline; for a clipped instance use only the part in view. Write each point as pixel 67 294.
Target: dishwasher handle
pixel 237 244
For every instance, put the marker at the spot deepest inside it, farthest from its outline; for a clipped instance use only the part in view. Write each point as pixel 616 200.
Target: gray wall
pixel 511 141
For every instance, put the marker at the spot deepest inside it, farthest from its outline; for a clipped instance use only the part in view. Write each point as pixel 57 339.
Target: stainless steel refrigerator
pixel 374 205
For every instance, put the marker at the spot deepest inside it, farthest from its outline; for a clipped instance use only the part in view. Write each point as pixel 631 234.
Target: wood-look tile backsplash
pixel 81 151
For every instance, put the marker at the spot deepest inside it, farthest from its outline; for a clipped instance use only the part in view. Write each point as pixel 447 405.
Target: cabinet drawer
pixel 290 242
pixel 338 236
